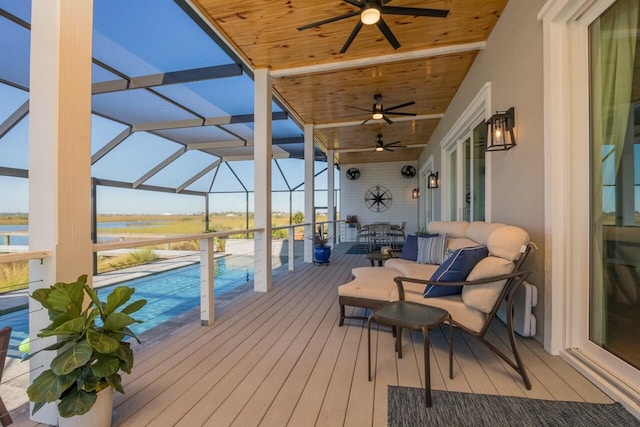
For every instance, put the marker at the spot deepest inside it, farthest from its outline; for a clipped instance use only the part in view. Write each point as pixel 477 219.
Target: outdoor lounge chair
pixel 5 335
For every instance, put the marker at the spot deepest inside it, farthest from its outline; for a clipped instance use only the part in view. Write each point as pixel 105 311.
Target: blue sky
pixel 137 43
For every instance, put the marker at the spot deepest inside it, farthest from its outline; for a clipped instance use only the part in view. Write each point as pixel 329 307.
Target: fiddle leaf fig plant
pixel 92 345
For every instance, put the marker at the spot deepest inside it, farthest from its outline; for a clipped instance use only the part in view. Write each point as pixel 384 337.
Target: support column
pixel 262 188
pixel 309 193
pixel 331 195
pixel 207 282
pixel 206 212
pixel 59 158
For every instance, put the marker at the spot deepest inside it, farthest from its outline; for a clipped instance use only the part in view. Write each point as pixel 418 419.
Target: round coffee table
pixel 411 315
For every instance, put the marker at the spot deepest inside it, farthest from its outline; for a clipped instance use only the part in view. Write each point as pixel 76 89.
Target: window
pixel 464 163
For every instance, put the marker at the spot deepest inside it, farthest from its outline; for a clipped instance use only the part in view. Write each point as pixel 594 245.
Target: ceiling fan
pixel 379 147
pixel 379 112
pixel 370 12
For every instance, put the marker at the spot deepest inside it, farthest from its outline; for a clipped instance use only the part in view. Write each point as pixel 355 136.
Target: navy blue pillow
pixel 455 269
pixel 410 247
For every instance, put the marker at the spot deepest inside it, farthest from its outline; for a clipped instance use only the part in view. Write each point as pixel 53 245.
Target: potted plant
pixel 351 220
pixel 322 252
pixel 92 350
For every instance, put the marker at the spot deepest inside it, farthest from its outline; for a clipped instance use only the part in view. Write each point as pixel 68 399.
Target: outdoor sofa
pixel 482 270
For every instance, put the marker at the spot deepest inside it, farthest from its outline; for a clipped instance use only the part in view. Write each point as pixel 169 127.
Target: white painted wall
pixel 403 207
pixel 512 62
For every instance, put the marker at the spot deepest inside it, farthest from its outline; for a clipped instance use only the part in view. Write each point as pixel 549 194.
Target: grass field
pixel 16 275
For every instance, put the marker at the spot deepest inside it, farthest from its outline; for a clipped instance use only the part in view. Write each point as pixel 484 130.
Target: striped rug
pixel 407 408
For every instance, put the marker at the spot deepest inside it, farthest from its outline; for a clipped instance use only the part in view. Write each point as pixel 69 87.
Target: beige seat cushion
pixel 408 268
pixel 374 283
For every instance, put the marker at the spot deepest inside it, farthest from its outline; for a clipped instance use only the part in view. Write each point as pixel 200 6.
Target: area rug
pixel 358 250
pixel 363 248
pixel 407 408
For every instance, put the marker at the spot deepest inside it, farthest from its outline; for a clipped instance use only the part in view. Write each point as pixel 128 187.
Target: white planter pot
pixel 98 416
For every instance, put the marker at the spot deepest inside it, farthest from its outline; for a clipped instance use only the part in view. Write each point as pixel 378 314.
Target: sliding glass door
pixel 614 288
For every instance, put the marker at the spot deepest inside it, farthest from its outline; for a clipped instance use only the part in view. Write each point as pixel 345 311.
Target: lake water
pixel 24 240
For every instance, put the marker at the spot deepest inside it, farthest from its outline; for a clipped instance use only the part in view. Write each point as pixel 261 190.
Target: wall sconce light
pixel 501 126
pixel 415 193
pixel 432 180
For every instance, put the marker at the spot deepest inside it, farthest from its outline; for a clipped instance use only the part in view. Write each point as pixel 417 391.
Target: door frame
pixel 567 199
pixel 479 109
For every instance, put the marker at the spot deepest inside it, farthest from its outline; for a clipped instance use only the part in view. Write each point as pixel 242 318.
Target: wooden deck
pixel 280 358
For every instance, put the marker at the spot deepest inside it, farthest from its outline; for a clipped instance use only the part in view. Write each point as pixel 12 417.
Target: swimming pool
pixel 168 294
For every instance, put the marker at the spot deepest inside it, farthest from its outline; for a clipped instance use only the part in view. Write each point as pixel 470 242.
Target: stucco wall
pixel 403 207
pixel 512 62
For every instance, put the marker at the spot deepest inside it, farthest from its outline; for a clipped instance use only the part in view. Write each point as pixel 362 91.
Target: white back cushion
pixel 450 228
pixel 483 297
pixel 479 230
pixel 507 242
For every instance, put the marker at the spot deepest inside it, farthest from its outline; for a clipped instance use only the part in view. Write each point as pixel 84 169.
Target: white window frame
pixel 478 110
pixel 566 176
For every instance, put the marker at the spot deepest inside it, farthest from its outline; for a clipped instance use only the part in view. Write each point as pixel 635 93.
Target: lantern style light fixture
pixel 432 180
pixel 370 15
pixel 500 131
pixel 415 193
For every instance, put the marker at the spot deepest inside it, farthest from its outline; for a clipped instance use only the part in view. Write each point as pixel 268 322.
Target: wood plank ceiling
pixel 321 86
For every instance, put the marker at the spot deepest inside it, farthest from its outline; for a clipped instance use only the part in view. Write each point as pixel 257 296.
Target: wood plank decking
pixel 280 358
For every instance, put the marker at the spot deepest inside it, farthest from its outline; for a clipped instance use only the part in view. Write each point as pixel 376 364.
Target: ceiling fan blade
pixel 392 143
pixel 400 114
pixel 356 3
pixel 353 149
pixel 364 122
pixel 352 36
pixel 395 107
pixel 387 119
pixel 414 11
pixel 358 108
pixel 388 149
pixel 386 31
pixel 327 21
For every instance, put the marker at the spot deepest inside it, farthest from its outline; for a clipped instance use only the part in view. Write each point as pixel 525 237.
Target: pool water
pixel 168 294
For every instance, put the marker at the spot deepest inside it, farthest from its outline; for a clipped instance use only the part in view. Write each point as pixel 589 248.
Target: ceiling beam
pixel 111 145
pixel 15 118
pixel 129 185
pixel 243 143
pixel 372 148
pixel 18 173
pixel 171 78
pixel 382 59
pixel 163 164
pixel 375 122
pixel 199 175
pixel 209 121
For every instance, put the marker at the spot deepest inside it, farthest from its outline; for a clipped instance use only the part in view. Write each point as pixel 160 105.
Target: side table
pixel 377 256
pixel 411 315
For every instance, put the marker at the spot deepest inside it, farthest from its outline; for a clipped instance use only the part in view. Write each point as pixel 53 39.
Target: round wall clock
pixel 377 199
pixel 408 171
